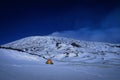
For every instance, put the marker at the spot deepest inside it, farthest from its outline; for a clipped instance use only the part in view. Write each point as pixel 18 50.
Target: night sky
pixel 91 20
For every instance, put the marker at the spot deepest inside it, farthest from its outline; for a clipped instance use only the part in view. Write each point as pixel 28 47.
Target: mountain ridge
pixel 67 49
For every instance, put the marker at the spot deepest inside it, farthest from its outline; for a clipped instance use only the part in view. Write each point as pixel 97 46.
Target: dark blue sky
pixel 19 19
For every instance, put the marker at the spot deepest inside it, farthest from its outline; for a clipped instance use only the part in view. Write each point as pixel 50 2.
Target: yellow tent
pixel 49 61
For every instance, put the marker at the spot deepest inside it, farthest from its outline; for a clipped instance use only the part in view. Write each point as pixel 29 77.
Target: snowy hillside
pixel 67 50
pixel 15 65
pixel 25 59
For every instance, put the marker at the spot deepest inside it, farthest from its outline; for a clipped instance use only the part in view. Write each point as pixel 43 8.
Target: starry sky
pixel 91 20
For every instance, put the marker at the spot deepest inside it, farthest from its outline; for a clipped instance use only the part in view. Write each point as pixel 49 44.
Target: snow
pixel 59 48
pixel 15 65
pixel 25 59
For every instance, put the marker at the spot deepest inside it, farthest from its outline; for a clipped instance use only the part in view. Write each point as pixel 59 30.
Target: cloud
pixel 108 32
pixel 103 35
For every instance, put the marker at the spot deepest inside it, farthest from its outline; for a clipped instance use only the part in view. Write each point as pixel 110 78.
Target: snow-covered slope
pixel 15 65
pixel 25 59
pixel 69 50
